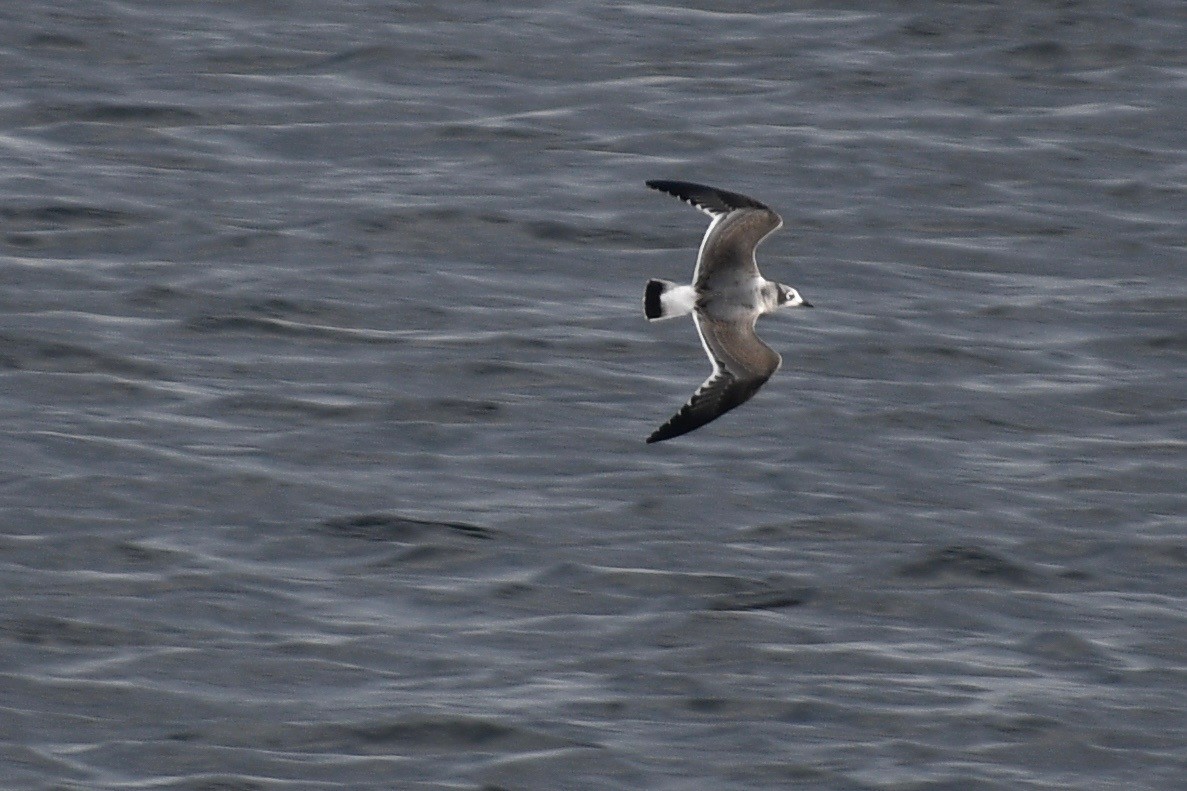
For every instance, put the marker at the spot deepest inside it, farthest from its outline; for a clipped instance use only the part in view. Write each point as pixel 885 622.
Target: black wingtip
pixel 680 424
pixel 662 433
pixel 705 197
pixel 669 430
pixel 718 395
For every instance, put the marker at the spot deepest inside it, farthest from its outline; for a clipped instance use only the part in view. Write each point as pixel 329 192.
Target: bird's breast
pixel 730 305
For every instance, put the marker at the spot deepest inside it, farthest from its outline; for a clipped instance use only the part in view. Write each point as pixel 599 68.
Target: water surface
pixel 324 385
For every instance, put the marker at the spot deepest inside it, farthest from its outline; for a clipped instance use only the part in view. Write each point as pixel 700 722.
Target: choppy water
pixel 324 382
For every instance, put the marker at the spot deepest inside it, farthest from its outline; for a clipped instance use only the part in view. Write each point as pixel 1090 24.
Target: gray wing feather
pixel 742 363
pixel 735 347
pixel 739 224
pixel 727 251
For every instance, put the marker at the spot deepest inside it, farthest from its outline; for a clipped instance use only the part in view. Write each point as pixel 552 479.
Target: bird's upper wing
pixel 739 224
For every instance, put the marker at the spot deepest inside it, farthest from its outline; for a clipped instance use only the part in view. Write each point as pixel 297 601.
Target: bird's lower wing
pixel 720 393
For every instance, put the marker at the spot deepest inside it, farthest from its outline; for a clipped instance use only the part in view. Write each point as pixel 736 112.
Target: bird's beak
pixel 806 304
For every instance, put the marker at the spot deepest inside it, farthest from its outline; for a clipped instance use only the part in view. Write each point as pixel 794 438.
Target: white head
pixel 788 297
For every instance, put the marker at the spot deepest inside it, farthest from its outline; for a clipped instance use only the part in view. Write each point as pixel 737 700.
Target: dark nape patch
pixel 392 527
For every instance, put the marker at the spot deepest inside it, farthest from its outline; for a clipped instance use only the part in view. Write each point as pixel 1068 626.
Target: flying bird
pixel 725 298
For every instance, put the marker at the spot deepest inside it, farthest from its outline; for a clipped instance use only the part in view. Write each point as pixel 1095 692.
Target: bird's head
pixel 790 298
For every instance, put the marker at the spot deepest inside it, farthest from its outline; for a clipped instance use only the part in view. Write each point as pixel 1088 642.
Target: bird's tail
pixel 664 299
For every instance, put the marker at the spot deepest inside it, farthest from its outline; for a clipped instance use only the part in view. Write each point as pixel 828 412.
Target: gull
pixel 725 298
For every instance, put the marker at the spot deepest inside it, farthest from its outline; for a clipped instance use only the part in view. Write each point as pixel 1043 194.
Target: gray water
pixel 324 383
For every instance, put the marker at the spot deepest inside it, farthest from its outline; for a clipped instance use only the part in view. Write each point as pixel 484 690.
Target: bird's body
pixel 726 297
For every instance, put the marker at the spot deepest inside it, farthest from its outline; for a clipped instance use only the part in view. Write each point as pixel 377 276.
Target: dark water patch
pixel 1172 553
pixel 1066 649
pixel 261 60
pixel 438 220
pixel 66 216
pixel 1167 342
pixel 1100 564
pixel 79 243
pixel 175 299
pixel 554 231
pixel 496 130
pixel 159 296
pixel 721 592
pixel 873 357
pixel 279 307
pixel 430 733
pixel 968 564
pixel 1138 400
pixel 834 527
pixel 97 553
pixel 939 420
pixel 30 354
pixel 140 556
pixel 436 231
pixel 500 368
pixel 929 354
pixel 1039 55
pixel 1073 548
pixel 924 27
pixel 23 240
pixel 212 781
pixel 270 404
pixel 431 558
pixel 400 529
pixel 551 591
pixel 56 41
pixel 557 769
pixel 265 325
pixel 1156 305
pixel 51 631
pixel 443 411
pixel 117 113
pixel 764 597
pixel 590 344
